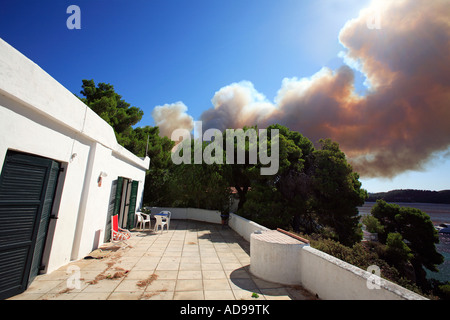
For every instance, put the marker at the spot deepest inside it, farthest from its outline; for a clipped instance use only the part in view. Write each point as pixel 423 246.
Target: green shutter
pixel 132 207
pixel 118 195
pixel 27 189
pixel 45 219
pixel 113 198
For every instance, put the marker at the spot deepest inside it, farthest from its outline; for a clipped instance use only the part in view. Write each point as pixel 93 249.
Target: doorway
pixel 122 202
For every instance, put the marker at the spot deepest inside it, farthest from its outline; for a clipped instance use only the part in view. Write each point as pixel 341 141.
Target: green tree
pixel 109 105
pixel 372 224
pixel 157 190
pixel 385 213
pixel 200 185
pixel 417 231
pixel 240 175
pixel 398 253
pixel 277 200
pixel 337 193
pixel 267 207
pixel 141 141
pixel 315 190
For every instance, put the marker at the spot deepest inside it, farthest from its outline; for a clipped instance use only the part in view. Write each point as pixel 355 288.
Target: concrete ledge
pixel 244 227
pixel 293 235
pixel 274 257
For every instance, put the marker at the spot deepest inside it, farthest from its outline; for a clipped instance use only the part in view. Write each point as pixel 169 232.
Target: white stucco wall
pixel 41 117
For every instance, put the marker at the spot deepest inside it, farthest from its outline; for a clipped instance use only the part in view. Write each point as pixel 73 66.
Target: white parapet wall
pixel 274 257
pixel 333 279
pixel 204 215
pixel 211 216
pixel 176 213
pixel 240 225
pixel 294 262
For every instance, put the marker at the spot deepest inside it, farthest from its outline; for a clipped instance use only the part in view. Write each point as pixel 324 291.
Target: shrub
pixel 372 224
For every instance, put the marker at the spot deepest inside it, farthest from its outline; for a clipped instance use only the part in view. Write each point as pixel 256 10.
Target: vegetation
pixel 112 108
pixel 372 224
pixel 315 190
pixel 200 185
pixel 407 242
pixel 391 258
pixel 411 235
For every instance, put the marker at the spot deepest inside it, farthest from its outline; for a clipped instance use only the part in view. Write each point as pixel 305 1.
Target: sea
pixel 439 213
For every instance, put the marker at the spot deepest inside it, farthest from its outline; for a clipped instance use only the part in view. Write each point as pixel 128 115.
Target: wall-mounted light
pixel 73 156
pixel 100 176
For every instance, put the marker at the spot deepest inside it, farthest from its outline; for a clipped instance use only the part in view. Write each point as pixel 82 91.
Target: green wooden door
pixel 27 188
pixel 132 206
pixel 114 205
pixel 118 198
pixel 47 205
pixel 122 198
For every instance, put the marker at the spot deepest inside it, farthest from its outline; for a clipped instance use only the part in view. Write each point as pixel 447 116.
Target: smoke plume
pixel 399 124
pixel 172 116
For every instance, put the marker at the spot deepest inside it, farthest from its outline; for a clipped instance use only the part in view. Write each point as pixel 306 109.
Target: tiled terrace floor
pixel 192 261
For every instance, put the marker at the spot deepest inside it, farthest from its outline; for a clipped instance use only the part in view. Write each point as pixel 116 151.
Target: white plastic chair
pixel 143 219
pixel 161 221
pixel 167 216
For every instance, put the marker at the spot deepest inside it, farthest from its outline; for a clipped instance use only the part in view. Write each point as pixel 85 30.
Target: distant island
pixel 410 195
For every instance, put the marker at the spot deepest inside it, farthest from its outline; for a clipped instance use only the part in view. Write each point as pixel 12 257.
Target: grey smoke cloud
pixel 170 117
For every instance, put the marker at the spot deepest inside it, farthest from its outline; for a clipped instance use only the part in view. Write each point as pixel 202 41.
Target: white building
pixel 63 175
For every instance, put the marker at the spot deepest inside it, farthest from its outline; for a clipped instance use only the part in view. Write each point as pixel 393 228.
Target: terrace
pixel 193 260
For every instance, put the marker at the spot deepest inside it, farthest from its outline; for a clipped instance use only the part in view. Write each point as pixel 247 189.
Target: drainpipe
pixel 88 178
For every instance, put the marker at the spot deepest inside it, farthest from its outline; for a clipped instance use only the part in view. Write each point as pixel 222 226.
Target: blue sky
pixel 159 52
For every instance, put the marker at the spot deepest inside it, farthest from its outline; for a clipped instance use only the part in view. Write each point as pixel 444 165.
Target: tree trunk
pixel 242 193
pixel 420 274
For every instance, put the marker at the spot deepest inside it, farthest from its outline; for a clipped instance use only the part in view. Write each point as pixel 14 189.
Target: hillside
pixel 409 195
